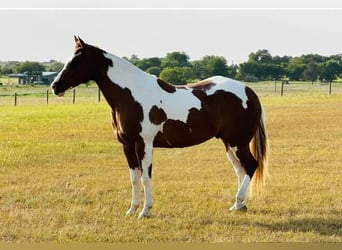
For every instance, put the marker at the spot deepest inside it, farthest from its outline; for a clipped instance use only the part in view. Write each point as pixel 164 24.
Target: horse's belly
pixel 177 134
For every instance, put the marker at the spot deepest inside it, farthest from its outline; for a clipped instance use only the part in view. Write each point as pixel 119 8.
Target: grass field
pixel 63 177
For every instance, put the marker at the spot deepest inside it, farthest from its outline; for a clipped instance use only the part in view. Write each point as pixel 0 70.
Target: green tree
pixel 175 59
pixel 210 66
pixel 147 63
pixel 216 65
pixel 261 56
pixel 177 75
pixel 313 58
pixel 154 70
pixel 330 70
pixel 312 71
pixel 296 68
pixel 30 67
pixel 133 59
pixel 55 67
pixel 337 58
pixel 249 71
pixel 233 71
pixel 200 69
pixel 262 66
pixel 9 67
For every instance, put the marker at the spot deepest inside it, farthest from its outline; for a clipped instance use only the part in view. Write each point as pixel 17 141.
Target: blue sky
pixel 130 27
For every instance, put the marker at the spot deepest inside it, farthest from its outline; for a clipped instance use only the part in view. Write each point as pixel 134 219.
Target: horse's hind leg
pixel 239 170
pixel 244 165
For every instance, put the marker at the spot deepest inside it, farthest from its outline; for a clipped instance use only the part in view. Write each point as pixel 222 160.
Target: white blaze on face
pixel 58 77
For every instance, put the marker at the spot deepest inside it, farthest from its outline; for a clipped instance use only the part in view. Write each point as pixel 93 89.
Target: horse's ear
pixel 79 42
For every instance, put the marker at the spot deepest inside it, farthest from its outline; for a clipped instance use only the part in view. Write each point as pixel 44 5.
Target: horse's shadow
pixel 324 224
pixel 321 226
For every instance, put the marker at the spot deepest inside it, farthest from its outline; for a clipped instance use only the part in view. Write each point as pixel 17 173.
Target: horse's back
pixel 225 107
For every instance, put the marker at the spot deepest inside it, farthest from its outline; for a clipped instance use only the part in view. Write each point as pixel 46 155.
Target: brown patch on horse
pixel 233 123
pixel 200 94
pixel 157 115
pixel 166 86
pixel 176 133
pixel 127 113
pixel 200 126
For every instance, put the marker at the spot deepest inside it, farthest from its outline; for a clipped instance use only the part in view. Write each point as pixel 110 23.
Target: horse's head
pixel 79 69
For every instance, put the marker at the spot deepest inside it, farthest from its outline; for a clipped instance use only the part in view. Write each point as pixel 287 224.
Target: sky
pixel 37 30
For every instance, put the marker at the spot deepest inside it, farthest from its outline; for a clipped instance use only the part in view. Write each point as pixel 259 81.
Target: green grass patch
pixel 64 178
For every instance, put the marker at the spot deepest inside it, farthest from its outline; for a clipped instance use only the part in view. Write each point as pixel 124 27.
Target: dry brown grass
pixel 63 177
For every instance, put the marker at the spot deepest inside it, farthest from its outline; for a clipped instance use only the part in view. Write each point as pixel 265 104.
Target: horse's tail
pixel 259 148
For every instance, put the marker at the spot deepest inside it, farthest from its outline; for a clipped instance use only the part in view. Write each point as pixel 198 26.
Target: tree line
pixel 261 65
pixel 13 67
pixel 176 67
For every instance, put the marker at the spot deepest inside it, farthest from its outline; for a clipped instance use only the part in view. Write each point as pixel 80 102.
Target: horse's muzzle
pixel 55 90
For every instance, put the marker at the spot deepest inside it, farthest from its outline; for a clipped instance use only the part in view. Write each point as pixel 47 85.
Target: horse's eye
pixel 74 62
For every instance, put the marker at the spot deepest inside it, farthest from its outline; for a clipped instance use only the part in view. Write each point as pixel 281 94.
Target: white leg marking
pixel 135 178
pixel 239 170
pixel 146 181
pixel 241 194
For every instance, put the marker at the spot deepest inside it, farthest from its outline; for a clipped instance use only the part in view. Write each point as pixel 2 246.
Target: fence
pixel 286 88
pixel 40 95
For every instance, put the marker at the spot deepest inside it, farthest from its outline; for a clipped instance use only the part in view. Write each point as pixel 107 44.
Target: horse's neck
pixel 126 75
pixel 120 78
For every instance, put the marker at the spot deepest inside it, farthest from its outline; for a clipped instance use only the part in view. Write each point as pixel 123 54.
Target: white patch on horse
pixel 135 180
pixel 229 85
pixel 238 168
pixel 145 91
pixel 58 77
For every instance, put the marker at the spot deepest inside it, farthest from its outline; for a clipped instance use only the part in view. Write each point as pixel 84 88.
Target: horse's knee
pixel 135 176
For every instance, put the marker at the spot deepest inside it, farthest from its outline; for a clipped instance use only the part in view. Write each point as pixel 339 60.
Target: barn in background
pixel 45 77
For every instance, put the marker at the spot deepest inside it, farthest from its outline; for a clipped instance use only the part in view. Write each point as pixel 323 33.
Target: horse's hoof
pixel 132 210
pixel 145 213
pixel 241 209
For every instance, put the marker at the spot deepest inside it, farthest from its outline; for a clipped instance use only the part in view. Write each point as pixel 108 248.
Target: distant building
pixel 48 76
pixel 22 77
pixel 45 77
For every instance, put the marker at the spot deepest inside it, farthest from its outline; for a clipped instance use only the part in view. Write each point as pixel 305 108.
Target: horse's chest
pixel 128 127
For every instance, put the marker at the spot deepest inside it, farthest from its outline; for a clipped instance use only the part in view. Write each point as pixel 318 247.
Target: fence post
pixel 15 99
pixel 47 96
pixel 282 88
pixel 73 96
pixel 98 95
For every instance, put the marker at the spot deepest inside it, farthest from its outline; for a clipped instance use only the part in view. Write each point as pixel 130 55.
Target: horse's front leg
pixel 144 151
pixel 135 173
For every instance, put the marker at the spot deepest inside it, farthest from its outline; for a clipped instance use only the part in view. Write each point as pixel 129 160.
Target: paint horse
pixel 148 112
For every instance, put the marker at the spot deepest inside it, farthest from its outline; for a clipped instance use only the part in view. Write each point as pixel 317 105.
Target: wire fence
pixel 42 95
pixel 14 95
pixel 286 88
